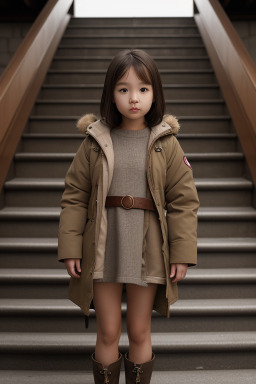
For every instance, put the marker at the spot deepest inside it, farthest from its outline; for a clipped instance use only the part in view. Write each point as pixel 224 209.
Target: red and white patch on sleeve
pixel 187 162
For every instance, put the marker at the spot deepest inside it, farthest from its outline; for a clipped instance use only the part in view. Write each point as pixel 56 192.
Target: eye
pixel 143 90
pixel 123 90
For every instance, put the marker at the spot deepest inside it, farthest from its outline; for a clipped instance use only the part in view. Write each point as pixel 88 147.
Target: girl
pixel 129 216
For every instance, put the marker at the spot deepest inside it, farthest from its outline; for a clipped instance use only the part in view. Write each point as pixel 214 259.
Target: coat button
pixel 163 125
pixel 158 149
pixel 96 149
pixel 90 127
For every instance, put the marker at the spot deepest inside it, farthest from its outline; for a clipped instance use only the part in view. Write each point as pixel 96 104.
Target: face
pixel 133 97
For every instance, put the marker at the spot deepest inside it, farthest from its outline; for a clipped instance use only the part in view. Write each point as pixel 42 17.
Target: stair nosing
pixel 194 276
pixel 122 46
pixel 75 136
pixel 97 101
pixel 44 156
pixel 162 342
pixel 100 86
pixel 91 58
pixel 234 376
pixel 134 36
pixel 103 71
pixel 131 26
pixel 226 307
pixel 76 117
pixel 201 184
pixel 203 244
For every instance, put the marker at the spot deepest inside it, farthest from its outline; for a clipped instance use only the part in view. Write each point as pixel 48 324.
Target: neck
pixel 133 125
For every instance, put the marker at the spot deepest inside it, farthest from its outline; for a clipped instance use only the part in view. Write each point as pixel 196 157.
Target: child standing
pixel 129 216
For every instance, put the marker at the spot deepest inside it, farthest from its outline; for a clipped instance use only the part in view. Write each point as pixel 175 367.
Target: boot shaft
pixel 106 375
pixel 138 373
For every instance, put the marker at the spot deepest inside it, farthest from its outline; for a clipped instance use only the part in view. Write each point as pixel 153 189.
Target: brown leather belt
pixel 129 202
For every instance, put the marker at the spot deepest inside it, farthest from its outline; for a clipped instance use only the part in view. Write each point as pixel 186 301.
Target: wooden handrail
pixel 235 71
pixel 23 77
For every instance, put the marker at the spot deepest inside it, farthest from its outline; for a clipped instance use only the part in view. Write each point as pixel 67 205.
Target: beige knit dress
pixel 124 244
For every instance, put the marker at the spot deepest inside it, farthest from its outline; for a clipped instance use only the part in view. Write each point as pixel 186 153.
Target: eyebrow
pixel 124 83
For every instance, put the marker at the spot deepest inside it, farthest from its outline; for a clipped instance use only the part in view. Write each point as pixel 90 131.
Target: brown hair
pixel 147 71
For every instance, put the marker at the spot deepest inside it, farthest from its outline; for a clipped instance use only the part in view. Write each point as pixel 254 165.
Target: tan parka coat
pixel 83 219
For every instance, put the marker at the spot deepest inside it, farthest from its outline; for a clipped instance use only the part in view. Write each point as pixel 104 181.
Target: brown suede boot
pixel 138 373
pixel 108 375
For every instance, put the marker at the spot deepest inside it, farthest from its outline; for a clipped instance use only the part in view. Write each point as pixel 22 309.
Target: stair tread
pixel 151 26
pixel 124 46
pixel 129 26
pixel 135 35
pixel 106 57
pixel 69 156
pixel 87 101
pixel 229 307
pixel 75 118
pixel 206 244
pixel 103 71
pixel 203 212
pixel 161 342
pixel 100 86
pixel 194 275
pixel 246 376
pixel 74 136
pixel 53 213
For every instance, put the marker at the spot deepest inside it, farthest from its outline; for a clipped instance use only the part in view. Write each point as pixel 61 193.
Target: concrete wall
pixel 247 32
pixel 11 35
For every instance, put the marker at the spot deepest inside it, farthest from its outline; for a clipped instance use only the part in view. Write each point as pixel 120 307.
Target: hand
pixel 73 266
pixel 178 271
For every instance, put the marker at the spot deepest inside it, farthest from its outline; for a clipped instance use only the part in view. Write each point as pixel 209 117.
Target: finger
pixel 180 274
pixel 78 265
pixel 73 271
pixel 173 270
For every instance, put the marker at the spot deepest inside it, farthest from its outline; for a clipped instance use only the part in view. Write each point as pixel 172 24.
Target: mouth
pixel 134 109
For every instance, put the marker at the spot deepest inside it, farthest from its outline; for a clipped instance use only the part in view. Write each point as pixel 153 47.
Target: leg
pixel 139 310
pixel 107 302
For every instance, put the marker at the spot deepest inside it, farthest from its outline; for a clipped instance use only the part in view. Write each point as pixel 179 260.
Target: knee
pixel 138 333
pixel 109 334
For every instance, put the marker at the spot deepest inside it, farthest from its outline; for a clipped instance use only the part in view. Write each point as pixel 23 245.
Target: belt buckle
pixel 124 204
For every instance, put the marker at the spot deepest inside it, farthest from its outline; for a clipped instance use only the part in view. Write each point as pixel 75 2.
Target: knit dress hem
pixel 147 279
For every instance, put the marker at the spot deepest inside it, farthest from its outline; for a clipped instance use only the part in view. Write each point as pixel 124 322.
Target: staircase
pixel 211 334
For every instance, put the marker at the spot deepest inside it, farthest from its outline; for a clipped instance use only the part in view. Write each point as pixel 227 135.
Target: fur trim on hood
pixel 84 122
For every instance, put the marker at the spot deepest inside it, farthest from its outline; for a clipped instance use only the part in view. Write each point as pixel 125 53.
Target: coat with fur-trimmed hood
pixel 83 219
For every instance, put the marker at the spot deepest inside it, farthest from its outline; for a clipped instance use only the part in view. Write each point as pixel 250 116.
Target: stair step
pixel 209 350
pixel 93 30
pixel 97 76
pixel 134 39
pixel 213 253
pixel 153 50
pixel 102 62
pixel 67 124
pixel 234 376
pixel 200 283
pixel 185 316
pixel 56 164
pixel 94 91
pixel 77 107
pixel 212 221
pixel 131 21
pixel 52 142
pixel 41 252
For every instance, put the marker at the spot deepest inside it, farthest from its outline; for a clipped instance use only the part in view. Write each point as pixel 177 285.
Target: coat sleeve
pixel 74 204
pixel 182 204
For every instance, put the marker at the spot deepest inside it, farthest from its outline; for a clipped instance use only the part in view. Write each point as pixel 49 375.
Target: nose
pixel 134 98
